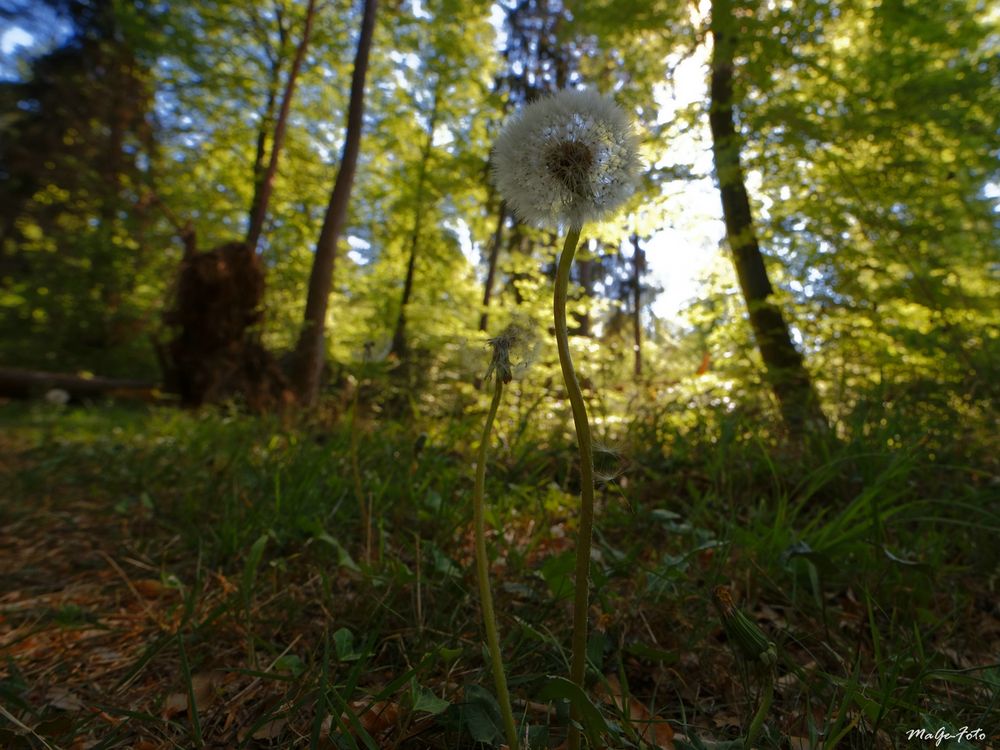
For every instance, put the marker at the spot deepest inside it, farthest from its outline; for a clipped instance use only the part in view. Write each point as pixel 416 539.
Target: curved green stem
pixel 581 601
pixel 765 705
pixel 482 573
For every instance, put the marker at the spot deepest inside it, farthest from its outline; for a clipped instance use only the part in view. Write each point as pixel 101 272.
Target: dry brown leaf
pixel 150 588
pixel 106 717
pixel 174 705
pixel 272 730
pixel 202 685
pixel 726 721
pixel 375 718
pixel 63 699
pixel 652 729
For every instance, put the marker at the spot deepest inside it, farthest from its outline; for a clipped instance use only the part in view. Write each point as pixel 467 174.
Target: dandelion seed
pixel 571 157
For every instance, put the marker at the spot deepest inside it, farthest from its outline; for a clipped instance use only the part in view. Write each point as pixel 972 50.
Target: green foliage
pixel 78 270
pixel 878 204
pixel 900 536
pixel 869 136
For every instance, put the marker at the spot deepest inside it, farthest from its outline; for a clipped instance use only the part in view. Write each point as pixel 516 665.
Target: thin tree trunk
pixel 264 186
pixel 266 120
pixel 491 268
pixel 308 358
pixel 275 59
pixel 638 265
pixel 399 334
pixel 785 369
pixel 398 348
pixel 518 244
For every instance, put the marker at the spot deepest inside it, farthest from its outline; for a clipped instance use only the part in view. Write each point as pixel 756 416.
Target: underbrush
pixel 224 563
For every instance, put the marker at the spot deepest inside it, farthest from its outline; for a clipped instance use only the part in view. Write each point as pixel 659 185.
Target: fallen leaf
pixel 203 687
pixel 106 717
pixel 375 718
pixel 726 721
pixel 63 699
pixel 174 705
pixel 150 588
pixel 271 730
pixel 652 729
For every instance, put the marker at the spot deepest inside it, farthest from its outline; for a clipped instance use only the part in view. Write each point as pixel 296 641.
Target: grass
pixel 200 580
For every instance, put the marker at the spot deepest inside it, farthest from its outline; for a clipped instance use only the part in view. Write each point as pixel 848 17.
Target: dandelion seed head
pixel 512 348
pixel 570 157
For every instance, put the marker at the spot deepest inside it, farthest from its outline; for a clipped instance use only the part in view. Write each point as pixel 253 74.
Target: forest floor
pixel 177 580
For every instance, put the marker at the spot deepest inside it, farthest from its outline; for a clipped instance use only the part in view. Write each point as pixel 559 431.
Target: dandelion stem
pixel 482 572
pixel 578 664
pixel 757 723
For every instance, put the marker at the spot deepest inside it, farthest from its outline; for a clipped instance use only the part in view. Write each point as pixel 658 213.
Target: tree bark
pixel 784 366
pixel 638 265
pixel 263 130
pixel 264 184
pixel 308 357
pixel 491 268
pixel 18 383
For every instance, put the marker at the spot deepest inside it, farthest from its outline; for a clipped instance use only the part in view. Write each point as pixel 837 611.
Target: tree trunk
pixel 308 357
pixel 520 244
pixel 18 383
pixel 491 268
pixel 784 366
pixel 399 334
pixel 264 183
pixel 263 130
pixel 638 265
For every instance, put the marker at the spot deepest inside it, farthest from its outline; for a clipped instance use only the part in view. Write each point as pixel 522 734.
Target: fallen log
pixel 18 383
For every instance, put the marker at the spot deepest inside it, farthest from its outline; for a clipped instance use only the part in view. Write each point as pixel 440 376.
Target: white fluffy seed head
pixel 571 157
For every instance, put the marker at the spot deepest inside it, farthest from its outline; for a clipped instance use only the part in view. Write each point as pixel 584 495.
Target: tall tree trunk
pixel 491 267
pixel 264 186
pixel 308 357
pixel 638 265
pixel 399 334
pixel 784 366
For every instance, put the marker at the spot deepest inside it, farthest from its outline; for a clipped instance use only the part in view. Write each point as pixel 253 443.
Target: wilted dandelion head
pixel 513 347
pixel 570 157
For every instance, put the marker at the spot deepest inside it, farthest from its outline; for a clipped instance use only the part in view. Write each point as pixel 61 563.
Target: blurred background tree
pixel 867 133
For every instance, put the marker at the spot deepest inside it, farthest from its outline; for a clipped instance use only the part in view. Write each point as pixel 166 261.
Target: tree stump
pixel 215 354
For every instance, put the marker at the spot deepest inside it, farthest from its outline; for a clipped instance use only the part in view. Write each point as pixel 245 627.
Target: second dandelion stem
pixel 483 572
pixel 581 602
